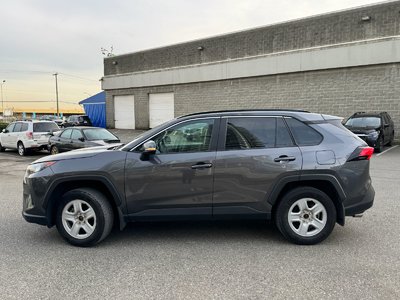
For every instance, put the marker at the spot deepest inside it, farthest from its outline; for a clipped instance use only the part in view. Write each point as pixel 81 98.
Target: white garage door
pixel 124 112
pixel 161 108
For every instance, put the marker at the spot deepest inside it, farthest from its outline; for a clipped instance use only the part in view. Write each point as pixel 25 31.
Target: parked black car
pixel 80 137
pixel 377 129
pixel 77 120
pixel 303 170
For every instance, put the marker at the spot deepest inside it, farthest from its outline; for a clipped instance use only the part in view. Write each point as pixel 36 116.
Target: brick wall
pixel 338 27
pixel 339 92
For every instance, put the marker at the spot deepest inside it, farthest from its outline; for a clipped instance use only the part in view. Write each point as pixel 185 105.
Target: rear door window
pixel 24 127
pixel 45 127
pixel 303 134
pixel 76 134
pixel 283 138
pixel 250 133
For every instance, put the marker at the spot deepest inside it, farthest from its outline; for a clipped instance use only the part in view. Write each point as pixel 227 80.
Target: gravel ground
pixel 203 260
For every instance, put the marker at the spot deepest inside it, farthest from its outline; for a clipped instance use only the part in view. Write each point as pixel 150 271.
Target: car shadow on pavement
pixel 196 231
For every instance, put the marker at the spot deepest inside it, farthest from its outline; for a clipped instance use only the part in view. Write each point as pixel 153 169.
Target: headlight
pixel 374 134
pixel 34 168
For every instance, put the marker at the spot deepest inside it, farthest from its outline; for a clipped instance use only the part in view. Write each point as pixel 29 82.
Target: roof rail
pixel 242 110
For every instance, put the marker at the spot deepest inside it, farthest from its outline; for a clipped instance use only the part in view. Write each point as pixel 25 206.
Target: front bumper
pixel 34 191
pixel 366 202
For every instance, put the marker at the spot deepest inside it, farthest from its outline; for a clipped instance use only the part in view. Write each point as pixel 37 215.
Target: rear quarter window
pixel 303 134
pixel 45 127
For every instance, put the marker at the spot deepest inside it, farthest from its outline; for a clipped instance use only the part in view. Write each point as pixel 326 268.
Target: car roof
pixel 301 114
pixel 367 114
pixel 83 127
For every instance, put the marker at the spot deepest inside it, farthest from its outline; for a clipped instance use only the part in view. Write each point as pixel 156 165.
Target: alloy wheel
pixel 307 217
pixel 79 219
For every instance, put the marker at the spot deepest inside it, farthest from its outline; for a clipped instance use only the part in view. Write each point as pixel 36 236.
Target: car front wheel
pixel 54 150
pixel 305 216
pixel 84 217
pixel 2 149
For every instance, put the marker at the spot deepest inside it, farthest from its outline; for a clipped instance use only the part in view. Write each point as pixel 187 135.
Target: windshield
pixel 93 134
pixel 364 122
pixel 45 127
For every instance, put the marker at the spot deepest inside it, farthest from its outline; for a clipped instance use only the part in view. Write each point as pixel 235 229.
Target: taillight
pixel 361 153
pixel 366 153
pixel 29 135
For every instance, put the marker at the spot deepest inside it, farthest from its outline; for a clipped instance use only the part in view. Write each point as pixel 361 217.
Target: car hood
pixel 80 153
pixel 104 143
pixel 362 130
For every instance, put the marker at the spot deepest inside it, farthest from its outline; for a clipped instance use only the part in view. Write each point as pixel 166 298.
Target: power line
pixel 46 72
pixel 76 76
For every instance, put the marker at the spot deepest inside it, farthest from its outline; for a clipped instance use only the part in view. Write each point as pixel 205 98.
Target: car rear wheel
pixel 21 149
pixel 84 217
pixel 54 150
pixel 391 139
pixel 305 216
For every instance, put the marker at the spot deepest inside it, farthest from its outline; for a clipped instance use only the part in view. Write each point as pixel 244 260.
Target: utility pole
pixel 55 75
pixel 2 101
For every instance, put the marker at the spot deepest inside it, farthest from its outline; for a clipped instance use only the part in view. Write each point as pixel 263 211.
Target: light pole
pixel 55 75
pixel 2 101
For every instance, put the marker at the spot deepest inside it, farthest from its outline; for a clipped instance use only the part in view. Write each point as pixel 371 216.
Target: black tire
pixel 104 216
pixel 391 140
pixel 21 149
pixel 54 150
pixel 379 145
pixel 2 149
pixel 286 203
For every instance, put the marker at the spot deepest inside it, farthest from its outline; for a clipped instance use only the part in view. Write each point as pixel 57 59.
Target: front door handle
pixel 283 158
pixel 202 165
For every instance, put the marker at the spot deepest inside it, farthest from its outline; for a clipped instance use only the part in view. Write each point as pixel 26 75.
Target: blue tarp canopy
pixel 95 108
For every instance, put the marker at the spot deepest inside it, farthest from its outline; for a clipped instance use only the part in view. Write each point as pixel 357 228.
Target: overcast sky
pixel 40 37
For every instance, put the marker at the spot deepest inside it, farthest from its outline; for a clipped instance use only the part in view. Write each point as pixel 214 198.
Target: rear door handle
pixel 202 165
pixel 284 158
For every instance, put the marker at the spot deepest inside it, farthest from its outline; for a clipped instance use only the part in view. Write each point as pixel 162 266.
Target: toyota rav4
pixel 304 171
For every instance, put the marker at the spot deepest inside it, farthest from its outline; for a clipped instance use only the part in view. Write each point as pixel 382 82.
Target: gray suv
pixel 304 171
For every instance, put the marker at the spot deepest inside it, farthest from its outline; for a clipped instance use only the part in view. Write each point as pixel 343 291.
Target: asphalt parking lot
pixel 203 260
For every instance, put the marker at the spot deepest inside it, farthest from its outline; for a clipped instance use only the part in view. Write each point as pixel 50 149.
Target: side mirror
pixel 81 139
pixel 149 147
pixel 386 125
pixel 4 131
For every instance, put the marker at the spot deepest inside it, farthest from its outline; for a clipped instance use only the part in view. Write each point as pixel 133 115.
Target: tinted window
pixel 17 127
pixel 66 133
pixel 93 134
pixel 10 127
pixel 283 138
pixel 248 133
pixel 24 127
pixel 303 134
pixel 194 136
pixel 84 119
pixel 45 127
pixel 76 134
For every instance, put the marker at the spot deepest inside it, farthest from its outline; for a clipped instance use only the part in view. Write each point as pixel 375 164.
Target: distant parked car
pixel 77 120
pixel 80 137
pixel 377 129
pixel 27 135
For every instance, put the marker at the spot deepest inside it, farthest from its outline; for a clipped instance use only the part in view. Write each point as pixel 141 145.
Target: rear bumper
pixel 362 205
